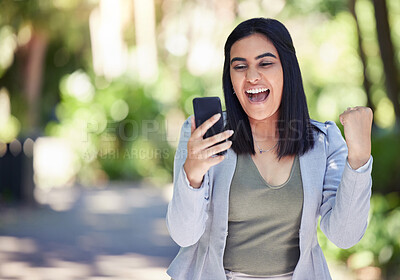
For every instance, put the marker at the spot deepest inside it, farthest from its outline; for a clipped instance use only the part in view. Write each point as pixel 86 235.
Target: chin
pixel 262 114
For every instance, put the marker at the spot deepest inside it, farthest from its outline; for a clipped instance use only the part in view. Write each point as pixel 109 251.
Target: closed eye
pixel 263 64
pixel 240 67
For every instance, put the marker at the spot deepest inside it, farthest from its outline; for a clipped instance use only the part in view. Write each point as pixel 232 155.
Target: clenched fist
pixel 357 122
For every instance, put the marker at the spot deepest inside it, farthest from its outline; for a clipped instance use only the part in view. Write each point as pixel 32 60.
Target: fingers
pixel 201 144
pixel 209 152
pixel 360 110
pixel 357 108
pixel 203 152
pixel 217 148
pixel 215 160
pixel 202 129
pixel 216 138
pixel 341 118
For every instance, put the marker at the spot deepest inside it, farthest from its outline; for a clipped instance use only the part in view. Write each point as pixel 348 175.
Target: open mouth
pixel 257 95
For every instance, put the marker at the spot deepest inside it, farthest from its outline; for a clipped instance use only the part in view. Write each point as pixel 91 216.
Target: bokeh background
pixel 92 97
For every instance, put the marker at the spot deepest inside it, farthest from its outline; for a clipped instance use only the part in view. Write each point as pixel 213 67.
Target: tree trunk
pixel 361 53
pixel 33 56
pixel 388 55
pixel 35 53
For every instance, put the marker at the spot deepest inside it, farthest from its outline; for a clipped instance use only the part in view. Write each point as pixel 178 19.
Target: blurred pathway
pixel 112 233
pixel 115 233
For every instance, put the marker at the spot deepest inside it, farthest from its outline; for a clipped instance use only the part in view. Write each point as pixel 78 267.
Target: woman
pixel 253 213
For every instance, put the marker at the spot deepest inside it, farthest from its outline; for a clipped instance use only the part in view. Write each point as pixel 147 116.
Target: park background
pixel 93 94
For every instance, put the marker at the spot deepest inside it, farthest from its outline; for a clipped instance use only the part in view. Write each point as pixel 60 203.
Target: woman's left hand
pixel 357 123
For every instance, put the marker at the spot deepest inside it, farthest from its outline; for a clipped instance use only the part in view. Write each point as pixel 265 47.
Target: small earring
pixel 234 92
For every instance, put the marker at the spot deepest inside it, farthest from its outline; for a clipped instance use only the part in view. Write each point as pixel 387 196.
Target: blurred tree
pixel 329 7
pixel 362 54
pixel 387 52
pixel 52 41
pixel 384 39
pixel 39 27
pixel 42 51
pixel 31 55
pixel 116 124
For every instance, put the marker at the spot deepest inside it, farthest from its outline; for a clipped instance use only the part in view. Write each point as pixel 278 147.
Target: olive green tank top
pixel 263 222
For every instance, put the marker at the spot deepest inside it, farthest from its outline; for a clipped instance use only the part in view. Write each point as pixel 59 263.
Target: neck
pixel 266 129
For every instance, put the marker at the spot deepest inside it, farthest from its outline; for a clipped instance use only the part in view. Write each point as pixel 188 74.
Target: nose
pixel 252 75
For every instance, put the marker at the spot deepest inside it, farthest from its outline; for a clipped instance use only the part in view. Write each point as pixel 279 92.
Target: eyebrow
pixel 257 57
pixel 266 54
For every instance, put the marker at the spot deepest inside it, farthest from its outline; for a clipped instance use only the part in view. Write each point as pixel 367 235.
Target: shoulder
pixel 329 134
pixel 328 128
pixel 318 126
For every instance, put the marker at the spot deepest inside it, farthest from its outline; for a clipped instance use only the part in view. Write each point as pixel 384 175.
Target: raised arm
pixel 346 198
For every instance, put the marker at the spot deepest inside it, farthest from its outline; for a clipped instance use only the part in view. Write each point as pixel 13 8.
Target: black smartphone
pixel 204 108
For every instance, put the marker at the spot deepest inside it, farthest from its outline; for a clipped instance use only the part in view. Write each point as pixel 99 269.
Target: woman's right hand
pixel 201 152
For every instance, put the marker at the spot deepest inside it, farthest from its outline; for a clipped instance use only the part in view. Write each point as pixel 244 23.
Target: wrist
pixel 357 162
pixel 193 181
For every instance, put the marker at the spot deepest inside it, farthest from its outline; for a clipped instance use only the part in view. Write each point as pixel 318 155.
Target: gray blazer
pixel 197 219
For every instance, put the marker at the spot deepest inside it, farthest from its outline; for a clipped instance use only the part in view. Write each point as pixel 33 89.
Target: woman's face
pixel 257 76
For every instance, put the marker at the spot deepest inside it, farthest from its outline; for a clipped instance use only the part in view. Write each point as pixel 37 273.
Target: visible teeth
pixel 258 90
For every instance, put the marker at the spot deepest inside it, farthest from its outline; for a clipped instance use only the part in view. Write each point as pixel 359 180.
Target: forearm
pixel 346 220
pixel 187 211
pixel 186 215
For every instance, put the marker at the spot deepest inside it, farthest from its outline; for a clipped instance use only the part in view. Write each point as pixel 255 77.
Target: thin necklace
pixel 265 151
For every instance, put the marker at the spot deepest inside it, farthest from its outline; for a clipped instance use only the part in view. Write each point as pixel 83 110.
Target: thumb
pixel 193 127
pixel 341 119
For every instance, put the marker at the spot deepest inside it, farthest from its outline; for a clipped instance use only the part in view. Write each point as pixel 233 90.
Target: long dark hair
pixel 294 127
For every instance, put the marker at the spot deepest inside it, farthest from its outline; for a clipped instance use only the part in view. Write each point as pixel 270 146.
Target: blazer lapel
pixel 224 174
pixel 220 184
pixel 312 166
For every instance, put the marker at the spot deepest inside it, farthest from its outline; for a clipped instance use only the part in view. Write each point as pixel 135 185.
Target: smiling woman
pixel 257 81
pixel 253 213
pixel 260 55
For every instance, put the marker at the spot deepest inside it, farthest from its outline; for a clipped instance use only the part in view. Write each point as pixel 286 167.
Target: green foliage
pixel 386 153
pixel 380 245
pixel 329 7
pixel 116 127
pixel 68 48
pixel 43 14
